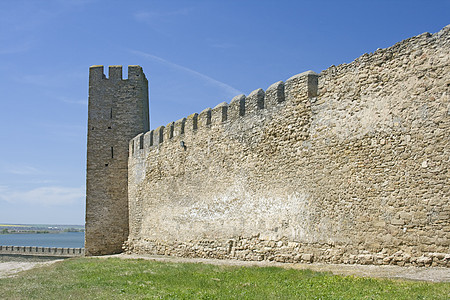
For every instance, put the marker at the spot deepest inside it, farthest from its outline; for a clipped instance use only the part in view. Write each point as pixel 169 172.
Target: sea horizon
pixel 59 240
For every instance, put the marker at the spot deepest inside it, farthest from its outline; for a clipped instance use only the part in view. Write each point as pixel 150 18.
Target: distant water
pixel 61 240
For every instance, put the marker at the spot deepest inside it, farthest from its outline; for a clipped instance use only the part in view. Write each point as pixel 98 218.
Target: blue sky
pixel 195 54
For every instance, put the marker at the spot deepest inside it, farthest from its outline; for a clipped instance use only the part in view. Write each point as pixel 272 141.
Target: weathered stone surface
pixel 348 166
pixel 274 94
pixel 118 111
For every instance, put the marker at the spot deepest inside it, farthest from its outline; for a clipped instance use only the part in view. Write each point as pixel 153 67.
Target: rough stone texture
pixel 349 166
pixel 118 111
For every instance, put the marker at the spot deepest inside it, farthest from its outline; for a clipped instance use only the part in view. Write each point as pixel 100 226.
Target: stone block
pixel 219 113
pixel 236 109
pixel 255 101
pixel 168 131
pixel 191 124
pixel 204 118
pixel 178 128
pixel 274 94
pixel 158 135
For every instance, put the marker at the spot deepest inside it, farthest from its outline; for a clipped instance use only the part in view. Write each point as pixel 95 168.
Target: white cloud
pixel 229 89
pixel 49 195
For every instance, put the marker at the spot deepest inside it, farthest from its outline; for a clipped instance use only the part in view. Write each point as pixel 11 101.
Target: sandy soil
pixel 10 265
pixel 10 269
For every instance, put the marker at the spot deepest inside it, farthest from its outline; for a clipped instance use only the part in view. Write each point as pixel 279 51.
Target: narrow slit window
pixel 112 152
pixel 110 114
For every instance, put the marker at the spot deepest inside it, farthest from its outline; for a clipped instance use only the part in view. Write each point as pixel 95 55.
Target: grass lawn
pixel 94 278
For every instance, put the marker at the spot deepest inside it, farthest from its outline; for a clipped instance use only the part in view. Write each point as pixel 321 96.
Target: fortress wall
pixel 350 166
pixel 118 110
pixel 41 251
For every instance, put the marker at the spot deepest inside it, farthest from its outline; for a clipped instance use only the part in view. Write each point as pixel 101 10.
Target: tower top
pixel 135 73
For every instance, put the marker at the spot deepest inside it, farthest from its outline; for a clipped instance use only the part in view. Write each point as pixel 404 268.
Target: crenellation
pixel 236 108
pixel 300 87
pixel 254 101
pixel 115 73
pixel 191 124
pixel 168 131
pixel 135 73
pixel 137 144
pixel 313 84
pixel 343 167
pixel 179 127
pixel 274 94
pixel 148 139
pixel 131 148
pixel 141 141
pixel 96 73
pixel 204 118
pixel 158 137
pixel 219 113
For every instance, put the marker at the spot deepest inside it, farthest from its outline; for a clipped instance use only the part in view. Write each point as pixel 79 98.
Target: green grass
pixel 93 278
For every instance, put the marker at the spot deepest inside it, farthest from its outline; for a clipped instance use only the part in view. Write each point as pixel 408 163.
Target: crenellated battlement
pixel 135 73
pixel 348 166
pixel 296 89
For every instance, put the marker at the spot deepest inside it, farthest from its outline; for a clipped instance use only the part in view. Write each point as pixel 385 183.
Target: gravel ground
pixel 11 265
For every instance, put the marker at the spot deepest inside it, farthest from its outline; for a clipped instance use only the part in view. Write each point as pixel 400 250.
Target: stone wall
pixel 118 110
pixel 348 166
pixel 41 251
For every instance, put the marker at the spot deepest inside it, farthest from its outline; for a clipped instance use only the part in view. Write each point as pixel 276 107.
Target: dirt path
pixel 432 274
pixel 10 265
pixel 9 269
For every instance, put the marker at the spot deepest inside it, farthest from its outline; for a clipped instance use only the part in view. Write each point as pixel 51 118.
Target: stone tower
pixel 118 111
